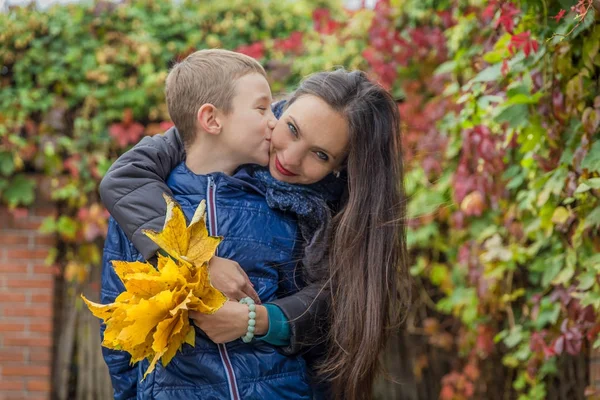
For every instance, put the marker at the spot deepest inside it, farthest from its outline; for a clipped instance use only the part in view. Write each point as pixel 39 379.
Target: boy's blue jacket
pixel 265 243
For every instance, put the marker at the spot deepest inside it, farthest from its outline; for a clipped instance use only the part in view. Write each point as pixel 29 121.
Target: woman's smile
pixel 282 169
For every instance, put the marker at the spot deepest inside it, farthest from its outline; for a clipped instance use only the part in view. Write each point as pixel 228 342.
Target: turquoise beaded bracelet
pixel 247 338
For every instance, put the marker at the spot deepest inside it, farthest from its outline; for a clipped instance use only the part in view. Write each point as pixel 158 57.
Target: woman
pixel 355 263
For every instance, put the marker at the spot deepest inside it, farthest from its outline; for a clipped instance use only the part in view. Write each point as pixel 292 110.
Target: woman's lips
pixel 282 170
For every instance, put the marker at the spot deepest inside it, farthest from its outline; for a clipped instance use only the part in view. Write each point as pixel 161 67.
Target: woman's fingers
pixel 248 291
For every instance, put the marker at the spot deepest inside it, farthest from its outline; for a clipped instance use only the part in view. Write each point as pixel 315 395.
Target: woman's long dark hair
pixel 368 272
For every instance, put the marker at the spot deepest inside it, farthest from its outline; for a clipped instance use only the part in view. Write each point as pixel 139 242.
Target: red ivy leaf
pixel 323 22
pixel 490 10
pixel 125 135
pixel 255 50
pixel 523 41
pixel 507 15
pixel 559 16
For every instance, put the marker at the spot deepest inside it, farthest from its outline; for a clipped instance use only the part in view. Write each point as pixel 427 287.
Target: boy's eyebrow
pixel 263 98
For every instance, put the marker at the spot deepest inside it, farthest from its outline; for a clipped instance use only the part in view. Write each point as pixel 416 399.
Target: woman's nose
pixel 293 155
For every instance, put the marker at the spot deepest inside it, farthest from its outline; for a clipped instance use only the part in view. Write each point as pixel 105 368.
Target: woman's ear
pixel 208 119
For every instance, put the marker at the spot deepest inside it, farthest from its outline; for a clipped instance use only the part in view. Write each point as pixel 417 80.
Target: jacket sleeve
pixel 132 188
pixel 123 375
pixel 306 312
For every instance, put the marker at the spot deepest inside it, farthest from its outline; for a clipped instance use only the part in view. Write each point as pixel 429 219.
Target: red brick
pixel 44 211
pixel 24 254
pixel 41 327
pixel 12 297
pixel 18 395
pixel 40 355
pixel 42 269
pixel 30 370
pixel 29 283
pixel 44 240
pixel 28 342
pixel 18 310
pixel 39 385
pixel 28 223
pixel 10 267
pixel 12 327
pixel 41 297
pixel 12 385
pixel 12 239
pixel 11 355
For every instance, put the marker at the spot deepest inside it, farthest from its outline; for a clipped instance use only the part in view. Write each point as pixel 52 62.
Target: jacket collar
pixel 183 181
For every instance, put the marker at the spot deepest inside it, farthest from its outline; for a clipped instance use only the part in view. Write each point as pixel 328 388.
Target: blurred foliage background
pixel 500 102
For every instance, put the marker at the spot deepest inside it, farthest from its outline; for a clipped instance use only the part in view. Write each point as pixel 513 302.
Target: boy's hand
pixel 230 322
pixel 230 278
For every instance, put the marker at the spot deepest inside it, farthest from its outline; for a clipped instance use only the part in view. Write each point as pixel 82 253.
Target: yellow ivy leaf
pixel 150 319
pixel 125 268
pixel 190 338
pixel 174 238
pixel 145 317
pixel 188 244
pixel 207 300
pixel 183 329
pixel 102 311
pixel 201 246
pixel 141 351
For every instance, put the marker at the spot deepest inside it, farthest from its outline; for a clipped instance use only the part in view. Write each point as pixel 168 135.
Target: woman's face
pixel 309 142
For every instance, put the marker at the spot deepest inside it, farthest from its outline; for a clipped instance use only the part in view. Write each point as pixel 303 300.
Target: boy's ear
pixel 209 120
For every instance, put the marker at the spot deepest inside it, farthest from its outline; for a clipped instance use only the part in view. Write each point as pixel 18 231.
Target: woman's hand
pixel 230 322
pixel 230 278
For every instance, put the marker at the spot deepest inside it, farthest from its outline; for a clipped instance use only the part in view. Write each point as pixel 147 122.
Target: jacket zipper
pixel 212 217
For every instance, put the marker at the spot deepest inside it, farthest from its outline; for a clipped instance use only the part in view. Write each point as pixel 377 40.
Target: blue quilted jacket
pixel 265 243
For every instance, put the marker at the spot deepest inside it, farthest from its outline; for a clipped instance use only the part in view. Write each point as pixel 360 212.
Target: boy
pixel 220 104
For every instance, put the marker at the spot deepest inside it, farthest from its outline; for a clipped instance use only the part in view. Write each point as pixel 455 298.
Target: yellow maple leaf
pixel 189 244
pixel 149 319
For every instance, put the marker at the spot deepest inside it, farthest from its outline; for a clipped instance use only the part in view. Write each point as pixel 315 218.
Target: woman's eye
pixel 322 156
pixel 263 109
pixel 292 129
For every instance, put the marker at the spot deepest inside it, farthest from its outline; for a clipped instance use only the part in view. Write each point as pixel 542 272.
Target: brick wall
pixel 26 306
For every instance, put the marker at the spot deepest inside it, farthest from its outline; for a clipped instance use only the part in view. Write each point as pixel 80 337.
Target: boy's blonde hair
pixel 205 76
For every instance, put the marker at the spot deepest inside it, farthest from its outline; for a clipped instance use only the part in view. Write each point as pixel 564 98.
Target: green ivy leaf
pixel 530 137
pixel 591 162
pixel 588 184
pixel 516 115
pixel 20 190
pixel 553 266
pixel 593 219
pixel 66 227
pixel 514 337
pixel 7 165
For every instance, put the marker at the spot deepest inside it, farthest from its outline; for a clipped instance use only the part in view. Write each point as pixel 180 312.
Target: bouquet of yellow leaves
pixel 150 318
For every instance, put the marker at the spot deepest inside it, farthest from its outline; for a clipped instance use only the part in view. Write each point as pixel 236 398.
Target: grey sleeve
pixel 306 312
pixel 132 188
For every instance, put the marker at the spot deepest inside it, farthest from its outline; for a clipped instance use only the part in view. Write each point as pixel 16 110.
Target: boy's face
pixel 247 128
